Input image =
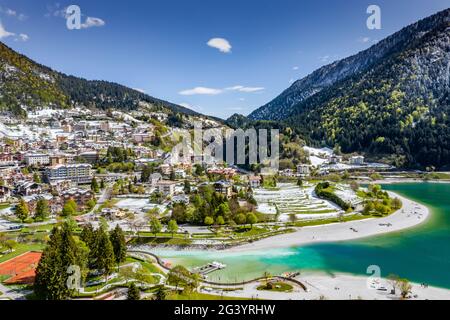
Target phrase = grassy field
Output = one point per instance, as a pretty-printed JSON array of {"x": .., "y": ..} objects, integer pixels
[
  {"x": 199, "y": 296},
  {"x": 4, "y": 206},
  {"x": 21, "y": 248},
  {"x": 162, "y": 241},
  {"x": 276, "y": 286},
  {"x": 327, "y": 221}
]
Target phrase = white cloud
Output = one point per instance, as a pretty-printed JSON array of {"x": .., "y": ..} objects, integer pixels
[
  {"x": 55, "y": 10},
  {"x": 13, "y": 13},
  {"x": 364, "y": 39},
  {"x": 292, "y": 80},
  {"x": 241, "y": 99},
  {"x": 214, "y": 91},
  {"x": 245, "y": 89},
  {"x": 325, "y": 58},
  {"x": 22, "y": 37},
  {"x": 295, "y": 68},
  {"x": 4, "y": 33},
  {"x": 92, "y": 22},
  {"x": 219, "y": 43},
  {"x": 201, "y": 91}
]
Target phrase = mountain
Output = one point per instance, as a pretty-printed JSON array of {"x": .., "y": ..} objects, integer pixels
[
  {"x": 25, "y": 83},
  {"x": 390, "y": 101},
  {"x": 284, "y": 105}
]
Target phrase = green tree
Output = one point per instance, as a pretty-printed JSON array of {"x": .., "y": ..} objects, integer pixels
[
  {"x": 172, "y": 227},
  {"x": 405, "y": 288},
  {"x": 209, "y": 221},
  {"x": 161, "y": 293},
  {"x": 22, "y": 211},
  {"x": 396, "y": 204},
  {"x": 94, "y": 185},
  {"x": 88, "y": 235},
  {"x": 251, "y": 219},
  {"x": 52, "y": 272},
  {"x": 155, "y": 225},
  {"x": 91, "y": 204},
  {"x": 119, "y": 244},
  {"x": 220, "y": 221},
  {"x": 42, "y": 210},
  {"x": 105, "y": 259},
  {"x": 36, "y": 177},
  {"x": 69, "y": 208},
  {"x": 241, "y": 218},
  {"x": 133, "y": 292},
  {"x": 10, "y": 244},
  {"x": 187, "y": 186}
]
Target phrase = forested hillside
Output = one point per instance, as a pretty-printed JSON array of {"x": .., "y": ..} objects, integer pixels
[
  {"x": 399, "y": 108},
  {"x": 25, "y": 84}
]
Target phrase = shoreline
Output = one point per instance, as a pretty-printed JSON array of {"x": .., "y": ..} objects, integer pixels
[
  {"x": 340, "y": 286},
  {"x": 411, "y": 214}
]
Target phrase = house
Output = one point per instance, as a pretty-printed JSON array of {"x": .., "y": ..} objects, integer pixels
[
  {"x": 182, "y": 198},
  {"x": 180, "y": 174},
  {"x": 223, "y": 187},
  {"x": 357, "y": 160},
  {"x": 166, "y": 187},
  {"x": 28, "y": 188},
  {"x": 32, "y": 200},
  {"x": 6, "y": 158},
  {"x": 80, "y": 173},
  {"x": 80, "y": 196},
  {"x": 287, "y": 172},
  {"x": 227, "y": 172},
  {"x": 5, "y": 193},
  {"x": 303, "y": 169},
  {"x": 142, "y": 137},
  {"x": 89, "y": 156},
  {"x": 254, "y": 181},
  {"x": 165, "y": 169},
  {"x": 35, "y": 159},
  {"x": 334, "y": 159}
]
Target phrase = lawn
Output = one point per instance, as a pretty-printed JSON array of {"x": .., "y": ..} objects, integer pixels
[
  {"x": 276, "y": 286},
  {"x": 330, "y": 220},
  {"x": 199, "y": 296},
  {"x": 162, "y": 235},
  {"x": 4, "y": 206},
  {"x": 248, "y": 231},
  {"x": 160, "y": 241},
  {"x": 148, "y": 266},
  {"x": 22, "y": 248}
]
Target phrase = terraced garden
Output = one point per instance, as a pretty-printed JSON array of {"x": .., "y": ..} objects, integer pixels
[{"x": 291, "y": 199}]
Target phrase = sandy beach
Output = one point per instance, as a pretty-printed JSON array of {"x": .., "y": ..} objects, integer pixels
[
  {"x": 340, "y": 287},
  {"x": 411, "y": 215}
]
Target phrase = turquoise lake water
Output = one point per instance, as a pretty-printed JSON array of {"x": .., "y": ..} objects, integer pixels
[{"x": 421, "y": 254}]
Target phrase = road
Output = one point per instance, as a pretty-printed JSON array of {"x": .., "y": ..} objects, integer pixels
[{"x": 10, "y": 294}]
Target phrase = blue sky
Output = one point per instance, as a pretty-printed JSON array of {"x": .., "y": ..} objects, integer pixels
[{"x": 161, "y": 46}]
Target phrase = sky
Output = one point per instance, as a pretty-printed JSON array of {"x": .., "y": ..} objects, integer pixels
[{"x": 215, "y": 57}]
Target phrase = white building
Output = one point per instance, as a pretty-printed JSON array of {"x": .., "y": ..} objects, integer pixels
[
  {"x": 79, "y": 173},
  {"x": 35, "y": 159},
  {"x": 357, "y": 160},
  {"x": 166, "y": 187},
  {"x": 335, "y": 159},
  {"x": 303, "y": 169},
  {"x": 180, "y": 174}
]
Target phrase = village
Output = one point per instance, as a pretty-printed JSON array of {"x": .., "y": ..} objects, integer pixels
[{"x": 116, "y": 170}]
